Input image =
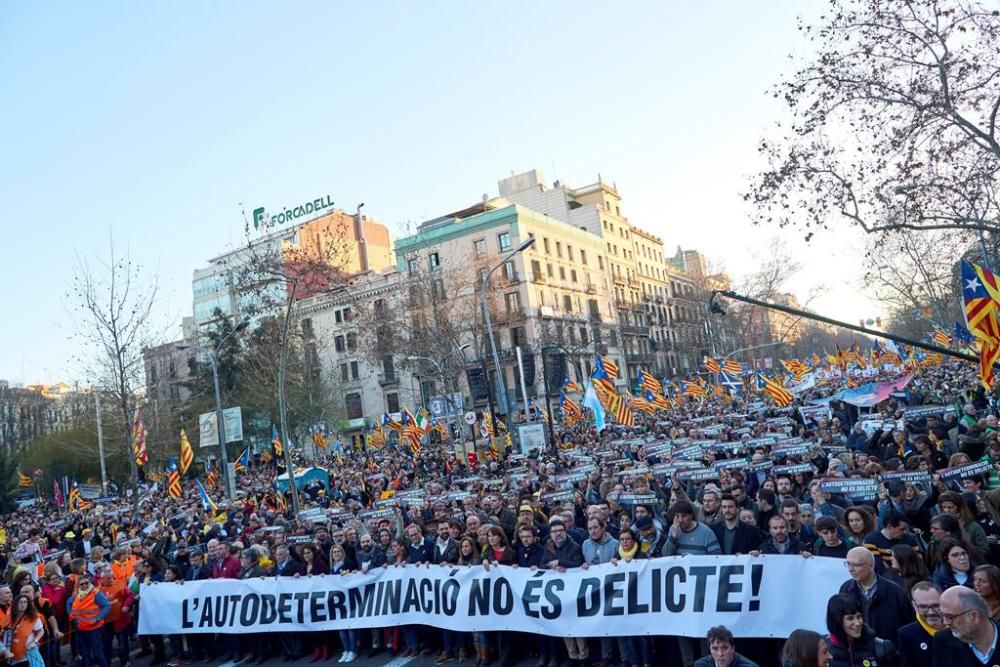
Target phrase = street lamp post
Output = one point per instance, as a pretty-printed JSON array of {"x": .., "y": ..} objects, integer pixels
[
  {"x": 213, "y": 358},
  {"x": 444, "y": 381},
  {"x": 486, "y": 314}
]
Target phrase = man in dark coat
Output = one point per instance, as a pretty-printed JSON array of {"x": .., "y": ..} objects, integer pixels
[
  {"x": 916, "y": 640},
  {"x": 445, "y": 548},
  {"x": 971, "y": 639},
  {"x": 735, "y": 537},
  {"x": 562, "y": 553},
  {"x": 884, "y": 603}
]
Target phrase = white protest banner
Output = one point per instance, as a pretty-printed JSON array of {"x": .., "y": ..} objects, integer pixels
[{"x": 753, "y": 597}]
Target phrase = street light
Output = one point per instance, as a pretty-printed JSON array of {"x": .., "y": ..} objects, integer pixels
[
  {"x": 489, "y": 323},
  {"x": 213, "y": 357},
  {"x": 444, "y": 382}
]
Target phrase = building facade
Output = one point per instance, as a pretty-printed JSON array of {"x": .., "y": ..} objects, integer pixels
[
  {"x": 555, "y": 299},
  {"x": 32, "y": 412},
  {"x": 314, "y": 254},
  {"x": 658, "y": 305}
]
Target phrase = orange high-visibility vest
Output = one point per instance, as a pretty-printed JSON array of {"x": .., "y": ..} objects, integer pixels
[
  {"x": 115, "y": 593},
  {"x": 123, "y": 571},
  {"x": 19, "y": 639},
  {"x": 86, "y": 612}
]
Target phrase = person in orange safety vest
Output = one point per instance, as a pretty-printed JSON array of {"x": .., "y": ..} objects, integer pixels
[{"x": 87, "y": 609}]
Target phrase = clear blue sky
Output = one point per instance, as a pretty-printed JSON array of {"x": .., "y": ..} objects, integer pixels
[{"x": 153, "y": 120}]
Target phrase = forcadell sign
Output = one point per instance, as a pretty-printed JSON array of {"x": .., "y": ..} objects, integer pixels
[{"x": 262, "y": 218}]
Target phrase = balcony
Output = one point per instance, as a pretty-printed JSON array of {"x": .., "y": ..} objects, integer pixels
[
  {"x": 633, "y": 330},
  {"x": 634, "y": 282},
  {"x": 595, "y": 317},
  {"x": 510, "y": 316},
  {"x": 386, "y": 379},
  {"x": 507, "y": 281},
  {"x": 538, "y": 278},
  {"x": 591, "y": 288}
]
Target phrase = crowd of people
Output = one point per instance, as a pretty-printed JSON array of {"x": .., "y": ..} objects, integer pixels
[{"x": 920, "y": 544}]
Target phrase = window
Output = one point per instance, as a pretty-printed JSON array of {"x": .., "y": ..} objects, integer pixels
[
  {"x": 175, "y": 393},
  {"x": 572, "y": 275},
  {"x": 548, "y": 270},
  {"x": 518, "y": 337},
  {"x": 600, "y": 262},
  {"x": 412, "y": 266},
  {"x": 434, "y": 260},
  {"x": 545, "y": 242},
  {"x": 307, "y": 328},
  {"x": 352, "y": 402},
  {"x": 583, "y": 256},
  {"x": 536, "y": 270},
  {"x": 480, "y": 247},
  {"x": 567, "y": 303},
  {"x": 558, "y": 249},
  {"x": 152, "y": 373},
  {"x": 354, "y": 370},
  {"x": 337, "y": 317},
  {"x": 392, "y": 402},
  {"x": 584, "y": 338},
  {"x": 388, "y": 369},
  {"x": 569, "y": 252},
  {"x": 562, "y": 273},
  {"x": 510, "y": 271},
  {"x": 352, "y": 342},
  {"x": 380, "y": 311},
  {"x": 618, "y": 211},
  {"x": 343, "y": 372},
  {"x": 338, "y": 344},
  {"x": 513, "y": 301},
  {"x": 437, "y": 289},
  {"x": 347, "y": 314},
  {"x": 503, "y": 241}
]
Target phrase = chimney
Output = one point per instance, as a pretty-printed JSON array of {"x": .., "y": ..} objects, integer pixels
[{"x": 359, "y": 233}]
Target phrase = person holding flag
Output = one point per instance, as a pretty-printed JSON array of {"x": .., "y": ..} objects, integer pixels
[
  {"x": 187, "y": 454},
  {"x": 243, "y": 462},
  {"x": 276, "y": 442},
  {"x": 174, "y": 480}
]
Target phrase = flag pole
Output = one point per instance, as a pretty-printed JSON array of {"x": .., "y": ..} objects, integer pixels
[{"x": 820, "y": 318}]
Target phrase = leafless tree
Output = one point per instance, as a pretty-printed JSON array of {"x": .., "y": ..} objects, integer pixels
[
  {"x": 112, "y": 303},
  {"x": 776, "y": 269},
  {"x": 917, "y": 272},
  {"x": 894, "y": 121}
]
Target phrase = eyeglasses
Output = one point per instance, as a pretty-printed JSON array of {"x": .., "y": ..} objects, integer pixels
[
  {"x": 949, "y": 618},
  {"x": 927, "y": 608},
  {"x": 854, "y": 566}
]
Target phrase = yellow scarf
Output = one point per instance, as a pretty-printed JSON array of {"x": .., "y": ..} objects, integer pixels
[
  {"x": 630, "y": 554},
  {"x": 928, "y": 629}
]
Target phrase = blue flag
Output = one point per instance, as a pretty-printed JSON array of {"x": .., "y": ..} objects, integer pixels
[{"x": 591, "y": 401}]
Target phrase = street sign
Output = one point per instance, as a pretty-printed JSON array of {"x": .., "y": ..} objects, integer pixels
[
  {"x": 470, "y": 417},
  {"x": 445, "y": 406},
  {"x": 531, "y": 436},
  {"x": 233, "y": 420}
]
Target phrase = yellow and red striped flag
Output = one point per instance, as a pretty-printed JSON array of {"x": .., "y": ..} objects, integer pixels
[{"x": 187, "y": 454}]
